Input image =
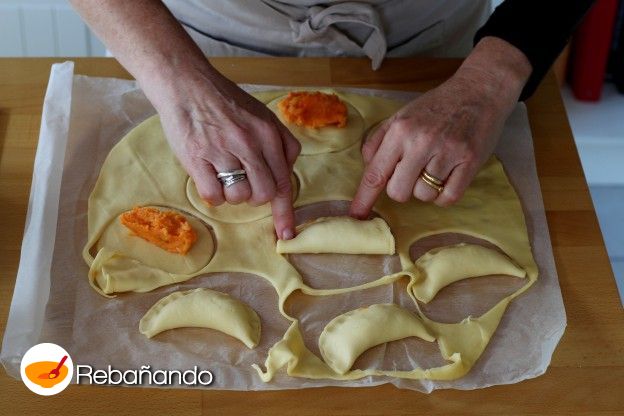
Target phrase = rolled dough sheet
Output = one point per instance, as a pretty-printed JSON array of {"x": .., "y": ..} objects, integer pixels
[{"x": 489, "y": 210}]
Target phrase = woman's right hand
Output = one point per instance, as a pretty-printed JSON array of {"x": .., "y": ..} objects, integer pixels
[
  {"x": 210, "y": 123},
  {"x": 214, "y": 126}
]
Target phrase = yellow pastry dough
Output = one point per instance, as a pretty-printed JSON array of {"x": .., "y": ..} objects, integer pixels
[
  {"x": 326, "y": 139},
  {"x": 445, "y": 265},
  {"x": 112, "y": 272},
  {"x": 490, "y": 210},
  {"x": 203, "y": 308},
  {"x": 340, "y": 235},
  {"x": 347, "y": 336}
]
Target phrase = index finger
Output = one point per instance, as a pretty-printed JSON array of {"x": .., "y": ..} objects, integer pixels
[
  {"x": 283, "y": 215},
  {"x": 374, "y": 180},
  {"x": 291, "y": 145},
  {"x": 282, "y": 204}
]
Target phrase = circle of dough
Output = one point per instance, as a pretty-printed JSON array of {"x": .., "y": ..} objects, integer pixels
[
  {"x": 119, "y": 238},
  {"x": 326, "y": 139},
  {"x": 233, "y": 213}
]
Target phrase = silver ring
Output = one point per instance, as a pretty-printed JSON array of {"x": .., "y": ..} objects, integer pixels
[
  {"x": 236, "y": 172},
  {"x": 231, "y": 177},
  {"x": 231, "y": 180}
]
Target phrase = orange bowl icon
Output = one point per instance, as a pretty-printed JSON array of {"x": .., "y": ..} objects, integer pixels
[
  {"x": 43, "y": 374},
  {"x": 46, "y": 369}
]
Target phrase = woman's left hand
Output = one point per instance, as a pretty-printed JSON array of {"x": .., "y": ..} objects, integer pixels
[{"x": 448, "y": 132}]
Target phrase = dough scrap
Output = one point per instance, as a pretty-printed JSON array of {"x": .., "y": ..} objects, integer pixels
[
  {"x": 343, "y": 235},
  {"x": 445, "y": 265},
  {"x": 327, "y": 139},
  {"x": 203, "y": 308},
  {"x": 347, "y": 336}
]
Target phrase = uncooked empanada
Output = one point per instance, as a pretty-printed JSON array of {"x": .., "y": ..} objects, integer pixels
[
  {"x": 343, "y": 235},
  {"x": 445, "y": 265},
  {"x": 203, "y": 308},
  {"x": 347, "y": 336}
]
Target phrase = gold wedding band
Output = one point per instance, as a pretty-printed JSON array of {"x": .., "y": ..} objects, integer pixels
[
  {"x": 432, "y": 178},
  {"x": 432, "y": 181}
]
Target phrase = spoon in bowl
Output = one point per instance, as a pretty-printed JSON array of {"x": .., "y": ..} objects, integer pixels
[{"x": 56, "y": 372}]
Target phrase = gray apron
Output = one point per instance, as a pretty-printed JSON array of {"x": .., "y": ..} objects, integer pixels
[{"x": 370, "y": 28}]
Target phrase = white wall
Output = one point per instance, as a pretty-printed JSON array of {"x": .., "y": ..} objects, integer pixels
[
  {"x": 599, "y": 135},
  {"x": 44, "y": 28}
]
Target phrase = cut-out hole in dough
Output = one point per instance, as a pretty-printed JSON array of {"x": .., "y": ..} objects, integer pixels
[
  {"x": 118, "y": 238},
  {"x": 347, "y": 336},
  {"x": 330, "y": 271},
  {"x": 262, "y": 299},
  {"x": 315, "y": 312},
  {"x": 240, "y": 213},
  {"x": 470, "y": 297},
  {"x": 326, "y": 139},
  {"x": 203, "y": 308},
  {"x": 445, "y": 265},
  {"x": 401, "y": 355},
  {"x": 179, "y": 348},
  {"x": 449, "y": 257}
]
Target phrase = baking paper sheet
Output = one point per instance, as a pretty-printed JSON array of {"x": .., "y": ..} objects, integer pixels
[{"x": 83, "y": 117}]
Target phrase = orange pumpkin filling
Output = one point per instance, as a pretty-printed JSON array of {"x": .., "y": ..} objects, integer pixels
[
  {"x": 313, "y": 109},
  {"x": 166, "y": 229}
]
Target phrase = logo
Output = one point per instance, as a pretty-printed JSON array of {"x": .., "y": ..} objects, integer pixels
[{"x": 46, "y": 369}]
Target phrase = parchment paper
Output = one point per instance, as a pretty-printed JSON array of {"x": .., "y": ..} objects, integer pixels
[{"x": 83, "y": 117}]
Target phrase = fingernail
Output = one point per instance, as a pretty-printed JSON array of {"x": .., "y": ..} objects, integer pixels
[
  {"x": 287, "y": 234},
  {"x": 360, "y": 217}
]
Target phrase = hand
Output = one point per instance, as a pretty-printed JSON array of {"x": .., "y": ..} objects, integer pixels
[
  {"x": 214, "y": 127},
  {"x": 449, "y": 132},
  {"x": 210, "y": 123}
]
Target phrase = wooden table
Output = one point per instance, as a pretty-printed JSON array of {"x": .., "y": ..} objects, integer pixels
[{"x": 587, "y": 371}]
